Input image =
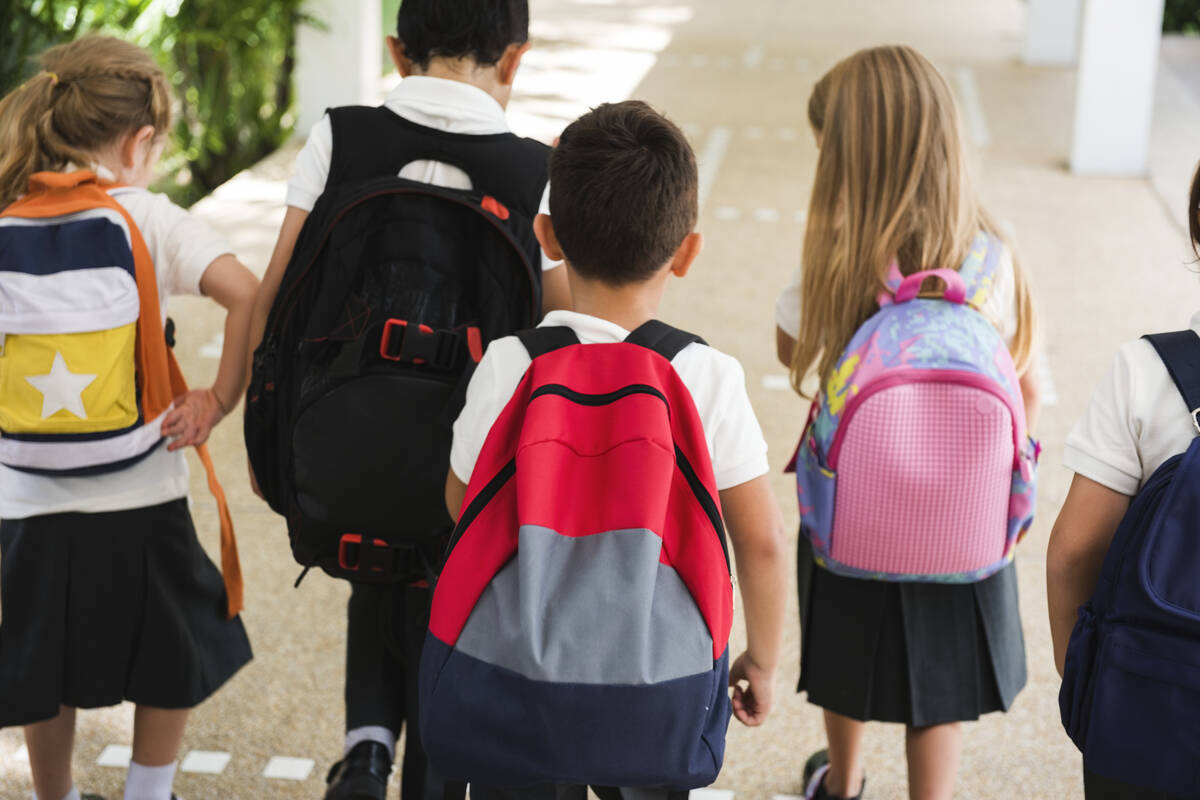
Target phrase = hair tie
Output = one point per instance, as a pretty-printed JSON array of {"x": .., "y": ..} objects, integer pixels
[{"x": 53, "y": 78}]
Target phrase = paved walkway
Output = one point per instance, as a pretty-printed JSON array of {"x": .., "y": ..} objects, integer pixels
[{"x": 1108, "y": 257}]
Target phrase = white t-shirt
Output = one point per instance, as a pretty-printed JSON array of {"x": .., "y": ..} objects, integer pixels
[
  {"x": 437, "y": 103},
  {"x": 182, "y": 248},
  {"x": 1135, "y": 421},
  {"x": 1000, "y": 307},
  {"x": 715, "y": 380}
]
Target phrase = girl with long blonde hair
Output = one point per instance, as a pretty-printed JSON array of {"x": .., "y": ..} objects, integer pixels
[
  {"x": 893, "y": 191},
  {"x": 107, "y": 593}
]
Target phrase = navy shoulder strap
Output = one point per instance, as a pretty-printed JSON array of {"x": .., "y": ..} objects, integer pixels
[
  {"x": 539, "y": 341},
  {"x": 662, "y": 338},
  {"x": 1180, "y": 352}
]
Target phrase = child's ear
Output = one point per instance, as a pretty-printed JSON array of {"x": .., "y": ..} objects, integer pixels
[
  {"x": 688, "y": 250},
  {"x": 403, "y": 63},
  {"x": 506, "y": 67},
  {"x": 136, "y": 145},
  {"x": 543, "y": 229}
]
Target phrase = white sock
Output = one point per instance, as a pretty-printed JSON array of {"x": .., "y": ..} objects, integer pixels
[
  {"x": 370, "y": 733},
  {"x": 149, "y": 783},
  {"x": 71, "y": 795}
]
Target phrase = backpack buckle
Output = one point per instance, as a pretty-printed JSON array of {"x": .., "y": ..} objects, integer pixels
[
  {"x": 420, "y": 344},
  {"x": 354, "y": 554},
  {"x": 1195, "y": 415}
]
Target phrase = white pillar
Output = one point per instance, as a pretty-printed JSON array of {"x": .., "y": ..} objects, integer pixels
[
  {"x": 339, "y": 63},
  {"x": 1114, "y": 98},
  {"x": 1052, "y": 32}
]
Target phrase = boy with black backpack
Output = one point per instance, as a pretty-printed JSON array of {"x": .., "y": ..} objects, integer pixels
[
  {"x": 406, "y": 247},
  {"x": 580, "y": 628}
]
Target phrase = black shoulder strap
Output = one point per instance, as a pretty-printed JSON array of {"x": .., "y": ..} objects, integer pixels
[
  {"x": 1180, "y": 352},
  {"x": 539, "y": 341},
  {"x": 662, "y": 338}
]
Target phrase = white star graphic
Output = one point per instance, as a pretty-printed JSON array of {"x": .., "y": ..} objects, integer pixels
[{"x": 61, "y": 389}]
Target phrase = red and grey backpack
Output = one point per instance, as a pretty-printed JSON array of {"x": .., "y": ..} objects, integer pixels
[{"x": 580, "y": 628}]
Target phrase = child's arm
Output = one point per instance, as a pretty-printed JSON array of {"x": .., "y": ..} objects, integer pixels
[
  {"x": 1031, "y": 391},
  {"x": 456, "y": 492},
  {"x": 232, "y": 286},
  {"x": 289, "y": 231},
  {"x": 785, "y": 345},
  {"x": 755, "y": 529},
  {"x": 1080, "y": 539}
]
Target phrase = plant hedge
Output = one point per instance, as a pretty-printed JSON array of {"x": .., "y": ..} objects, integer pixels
[
  {"x": 230, "y": 64},
  {"x": 1182, "y": 16}
]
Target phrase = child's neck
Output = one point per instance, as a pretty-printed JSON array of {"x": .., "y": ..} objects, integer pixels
[
  {"x": 628, "y": 306},
  {"x": 468, "y": 71}
]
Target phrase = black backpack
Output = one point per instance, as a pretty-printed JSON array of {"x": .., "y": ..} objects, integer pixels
[{"x": 393, "y": 291}]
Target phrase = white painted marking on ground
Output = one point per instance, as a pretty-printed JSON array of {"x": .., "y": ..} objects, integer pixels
[
  {"x": 753, "y": 57},
  {"x": 1046, "y": 379},
  {"x": 766, "y": 215},
  {"x": 691, "y": 129},
  {"x": 22, "y": 754},
  {"x": 800, "y": 216},
  {"x": 698, "y": 61},
  {"x": 777, "y": 383},
  {"x": 788, "y": 134},
  {"x": 670, "y": 60},
  {"x": 116, "y": 755},
  {"x": 728, "y": 213},
  {"x": 786, "y": 797},
  {"x": 968, "y": 91},
  {"x": 724, "y": 62},
  {"x": 710, "y": 159},
  {"x": 801, "y": 64},
  {"x": 214, "y": 347},
  {"x": 712, "y": 794},
  {"x": 288, "y": 768},
  {"x": 776, "y": 64},
  {"x": 208, "y": 762},
  {"x": 754, "y": 132}
]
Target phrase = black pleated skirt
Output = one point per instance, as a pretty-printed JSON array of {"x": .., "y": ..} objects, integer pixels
[
  {"x": 916, "y": 653},
  {"x": 106, "y": 607}
]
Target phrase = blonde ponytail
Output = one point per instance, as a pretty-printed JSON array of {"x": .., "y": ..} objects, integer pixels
[{"x": 93, "y": 91}]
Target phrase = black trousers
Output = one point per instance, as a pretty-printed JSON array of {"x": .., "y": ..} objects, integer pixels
[
  {"x": 386, "y": 630},
  {"x": 570, "y": 791},
  {"x": 1097, "y": 787}
]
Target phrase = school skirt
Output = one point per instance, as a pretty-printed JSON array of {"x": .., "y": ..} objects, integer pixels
[
  {"x": 106, "y": 607},
  {"x": 916, "y": 653}
]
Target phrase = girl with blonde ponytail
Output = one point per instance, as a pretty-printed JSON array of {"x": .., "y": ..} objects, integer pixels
[
  {"x": 893, "y": 191},
  {"x": 107, "y": 594}
]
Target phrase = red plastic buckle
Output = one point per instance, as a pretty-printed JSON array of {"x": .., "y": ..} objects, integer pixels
[
  {"x": 354, "y": 541},
  {"x": 386, "y": 339},
  {"x": 493, "y": 205}
]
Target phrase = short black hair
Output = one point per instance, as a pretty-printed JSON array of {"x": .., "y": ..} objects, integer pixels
[
  {"x": 623, "y": 192},
  {"x": 478, "y": 29}
]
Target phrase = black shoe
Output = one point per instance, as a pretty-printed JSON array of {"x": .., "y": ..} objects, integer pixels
[
  {"x": 96, "y": 797},
  {"x": 814, "y": 779},
  {"x": 361, "y": 775}
]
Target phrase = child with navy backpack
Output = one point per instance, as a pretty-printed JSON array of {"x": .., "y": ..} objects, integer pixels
[
  {"x": 107, "y": 593},
  {"x": 1121, "y": 571},
  {"x": 915, "y": 471},
  {"x": 580, "y": 629}
]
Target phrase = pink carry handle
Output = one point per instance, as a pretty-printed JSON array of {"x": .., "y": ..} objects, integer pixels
[{"x": 956, "y": 290}]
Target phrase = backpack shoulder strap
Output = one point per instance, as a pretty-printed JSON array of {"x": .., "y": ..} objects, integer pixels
[
  {"x": 1180, "y": 353},
  {"x": 662, "y": 338},
  {"x": 539, "y": 341}
]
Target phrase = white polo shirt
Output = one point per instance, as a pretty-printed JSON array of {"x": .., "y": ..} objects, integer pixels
[
  {"x": 182, "y": 247},
  {"x": 1135, "y": 421},
  {"x": 437, "y": 103},
  {"x": 716, "y": 382}
]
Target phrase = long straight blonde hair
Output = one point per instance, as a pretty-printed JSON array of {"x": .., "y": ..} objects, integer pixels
[
  {"x": 892, "y": 183},
  {"x": 92, "y": 92}
]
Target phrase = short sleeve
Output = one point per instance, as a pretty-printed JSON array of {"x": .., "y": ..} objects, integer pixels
[
  {"x": 496, "y": 377},
  {"x": 787, "y": 306},
  {"x": 1000, "y": 307},
  {"x": 1103, "y": 445},
  {"x": 181, "y": 244},
  {"x": 312, "y": 167},
  {"x": 544, "y": 208}
]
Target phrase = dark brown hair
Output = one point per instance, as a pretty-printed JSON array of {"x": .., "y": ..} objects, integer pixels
[
  {"x": 1194, "y": 213},
  {"x": 623, "y": 192},
  {"x": 93, "y": 91}
]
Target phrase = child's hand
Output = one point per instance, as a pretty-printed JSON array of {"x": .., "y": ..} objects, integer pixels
[
  {"x": 193, "y": 417},
  {"x": 752, "y": 703}
]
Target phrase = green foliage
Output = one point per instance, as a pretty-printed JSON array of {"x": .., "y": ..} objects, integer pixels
[
  {"x": 1182, "y": 16},
  {"x": 229, "y": 62}
]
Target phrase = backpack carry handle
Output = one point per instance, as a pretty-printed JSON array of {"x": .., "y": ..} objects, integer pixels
[{"x": 956, "y": 289}]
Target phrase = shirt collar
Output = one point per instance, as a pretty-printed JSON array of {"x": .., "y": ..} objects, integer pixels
[
  {"x": 589, "y": 329},
  {"x": 447, "y": 105}
]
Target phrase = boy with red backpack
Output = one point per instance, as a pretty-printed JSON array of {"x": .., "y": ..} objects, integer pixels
[{"x": 580, "y": 628}]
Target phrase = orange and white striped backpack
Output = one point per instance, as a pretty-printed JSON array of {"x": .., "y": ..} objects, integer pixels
[{"x": 86, "y": 376}]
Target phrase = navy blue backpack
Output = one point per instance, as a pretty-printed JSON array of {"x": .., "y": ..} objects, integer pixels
[{"x": 1130, "y": 695}]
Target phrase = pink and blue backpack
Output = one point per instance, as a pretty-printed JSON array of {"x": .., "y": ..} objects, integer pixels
[{"x": 915, "y": 464}]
